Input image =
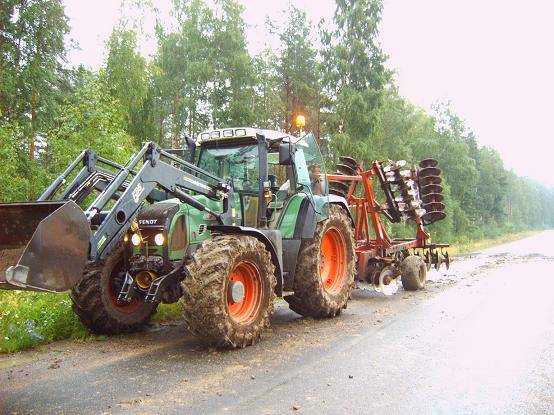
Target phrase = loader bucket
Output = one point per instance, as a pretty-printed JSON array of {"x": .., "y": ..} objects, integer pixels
[{"x": 43, "y": 245}]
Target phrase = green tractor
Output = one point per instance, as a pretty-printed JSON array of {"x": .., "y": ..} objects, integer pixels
[{"x": 240, "y": 217}]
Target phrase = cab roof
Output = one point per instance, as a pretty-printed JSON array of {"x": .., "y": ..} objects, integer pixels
[{"x": 224, "y": 134}]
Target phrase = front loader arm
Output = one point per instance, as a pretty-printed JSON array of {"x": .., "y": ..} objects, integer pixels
[
  {"x": 154, "y": 173},
  {"x": 50, "y": 254}
]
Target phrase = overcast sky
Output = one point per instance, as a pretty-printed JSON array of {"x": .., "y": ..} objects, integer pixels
[{"x": 493, "y": 59}]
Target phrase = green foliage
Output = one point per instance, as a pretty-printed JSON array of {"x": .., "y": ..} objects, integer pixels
[
  {"x": 13, "y": 183},
  {"x": 297, "y": 71},
  {"x": 126, "y": 75},
  {"x": 31, "y": 49},
  {"x": 354, "y": 72},
  {"x": 181, "y": 71},
  {"x": 28, "y": 319},
  {"x": 92, "y": 119},
  {"x": 270, "y": 108},
  {"x": 233, "y": 73}
]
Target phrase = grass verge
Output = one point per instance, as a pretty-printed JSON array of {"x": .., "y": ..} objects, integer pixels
[
  {"x": 28, "y": 319},
  {"x": 474, "y": 246}
]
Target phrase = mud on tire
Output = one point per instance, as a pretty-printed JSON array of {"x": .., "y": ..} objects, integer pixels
[
  {"x": 414, "y": 273},
  {"x": 95, "y": 298},
  {"x": 313, "y": 296},
  {"x": 208, "y": 309}
]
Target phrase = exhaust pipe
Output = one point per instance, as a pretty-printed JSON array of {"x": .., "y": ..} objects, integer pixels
[{"x": 43, "y": 245}]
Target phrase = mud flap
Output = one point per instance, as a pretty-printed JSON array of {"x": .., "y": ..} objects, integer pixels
[{"x": 43, "y": 245}]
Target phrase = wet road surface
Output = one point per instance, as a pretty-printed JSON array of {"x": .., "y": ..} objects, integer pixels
[{"x": 479, "y": 339}]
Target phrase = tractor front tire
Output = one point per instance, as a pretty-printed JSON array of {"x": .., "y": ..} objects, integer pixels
[
  {"x": 228, "y": 297},
  {"x": 95, "y": 298},
  {"x": 324, "y": 277},
  {"x": 414, "y": 273}
]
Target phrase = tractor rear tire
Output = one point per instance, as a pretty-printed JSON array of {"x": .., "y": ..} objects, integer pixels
[
  {"x": 95, "y": 298},
  {"x": 324, "y": 277},
  {"x": 414, "y": 273},
  {"x": 209, "y": 309}
]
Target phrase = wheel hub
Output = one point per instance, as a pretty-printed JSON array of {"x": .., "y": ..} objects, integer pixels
[
  {"x": 333, "y": 261},
  {"x": 236, "y": 291}
]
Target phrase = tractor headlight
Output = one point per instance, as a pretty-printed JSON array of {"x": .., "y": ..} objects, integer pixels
[
  {"x": 159, "y": 239},
  {"x": 135, "y": 239}
]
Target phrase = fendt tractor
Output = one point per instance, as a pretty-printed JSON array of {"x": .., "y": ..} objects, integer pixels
[{"x": 236, "y": 218}]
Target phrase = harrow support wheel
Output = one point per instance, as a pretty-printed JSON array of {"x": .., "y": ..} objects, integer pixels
[
  {"x": 324, "y": 275},
  {"x": 229, "y": 296},
  {"x": 414, "y": 273},
  {"x": 95, "y": 298}
]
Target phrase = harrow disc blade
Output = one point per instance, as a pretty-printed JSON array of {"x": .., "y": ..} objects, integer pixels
[
  {"x": 346, "y": 170},
  {"x": 336, "y": 192},
  {"x": 432, "y": 217},
  {"x": 430, "y": 188},
  {"x": 428, "y": 163},
  {"x": 429, "y": 171},
  {"x": 427, "y": 260},
  {"x": 434, "y": 207},
  {"x": 339, "y": 186},
  {"x": 432, "y": 197},
  {"x": 424, "y": 181},
  {"x": 349, "y": 161},
  {"x": 446, "y": 260},
  {"x": 386, "y": 284},
  {"x": 411, "y": 214}
]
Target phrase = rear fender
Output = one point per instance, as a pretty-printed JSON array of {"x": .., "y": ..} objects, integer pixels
[{"x": 341, "y": 201}]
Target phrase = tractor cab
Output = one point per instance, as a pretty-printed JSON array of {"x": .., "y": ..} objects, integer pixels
[{"x": 267, "y": 168}]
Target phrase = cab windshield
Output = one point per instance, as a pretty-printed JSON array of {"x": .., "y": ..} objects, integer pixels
[{"x": 237, "y": 162}]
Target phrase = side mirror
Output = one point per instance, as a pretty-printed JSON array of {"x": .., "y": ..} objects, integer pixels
[
  {"x": 191, "y": 154},
  {"x": 286, "y": 153}
]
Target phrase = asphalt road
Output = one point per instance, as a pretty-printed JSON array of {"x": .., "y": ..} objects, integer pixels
[{"x": 479, "y": 339}]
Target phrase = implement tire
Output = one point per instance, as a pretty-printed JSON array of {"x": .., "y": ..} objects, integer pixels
[
  {"x": 324, "y": 277},
  {"x": 95, "y": 298},
  {"x": 229, "y": 295},
  {"x": 414, "y": 273}
]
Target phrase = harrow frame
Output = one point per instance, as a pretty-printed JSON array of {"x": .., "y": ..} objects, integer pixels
[{"x": 378, "y": 245}]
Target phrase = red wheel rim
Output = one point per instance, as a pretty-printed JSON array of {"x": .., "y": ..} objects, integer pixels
[
  {"x": 122, "y": 306},
  {"x": 245, "y": 310},
  {"x": 333, "y": 261}
]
